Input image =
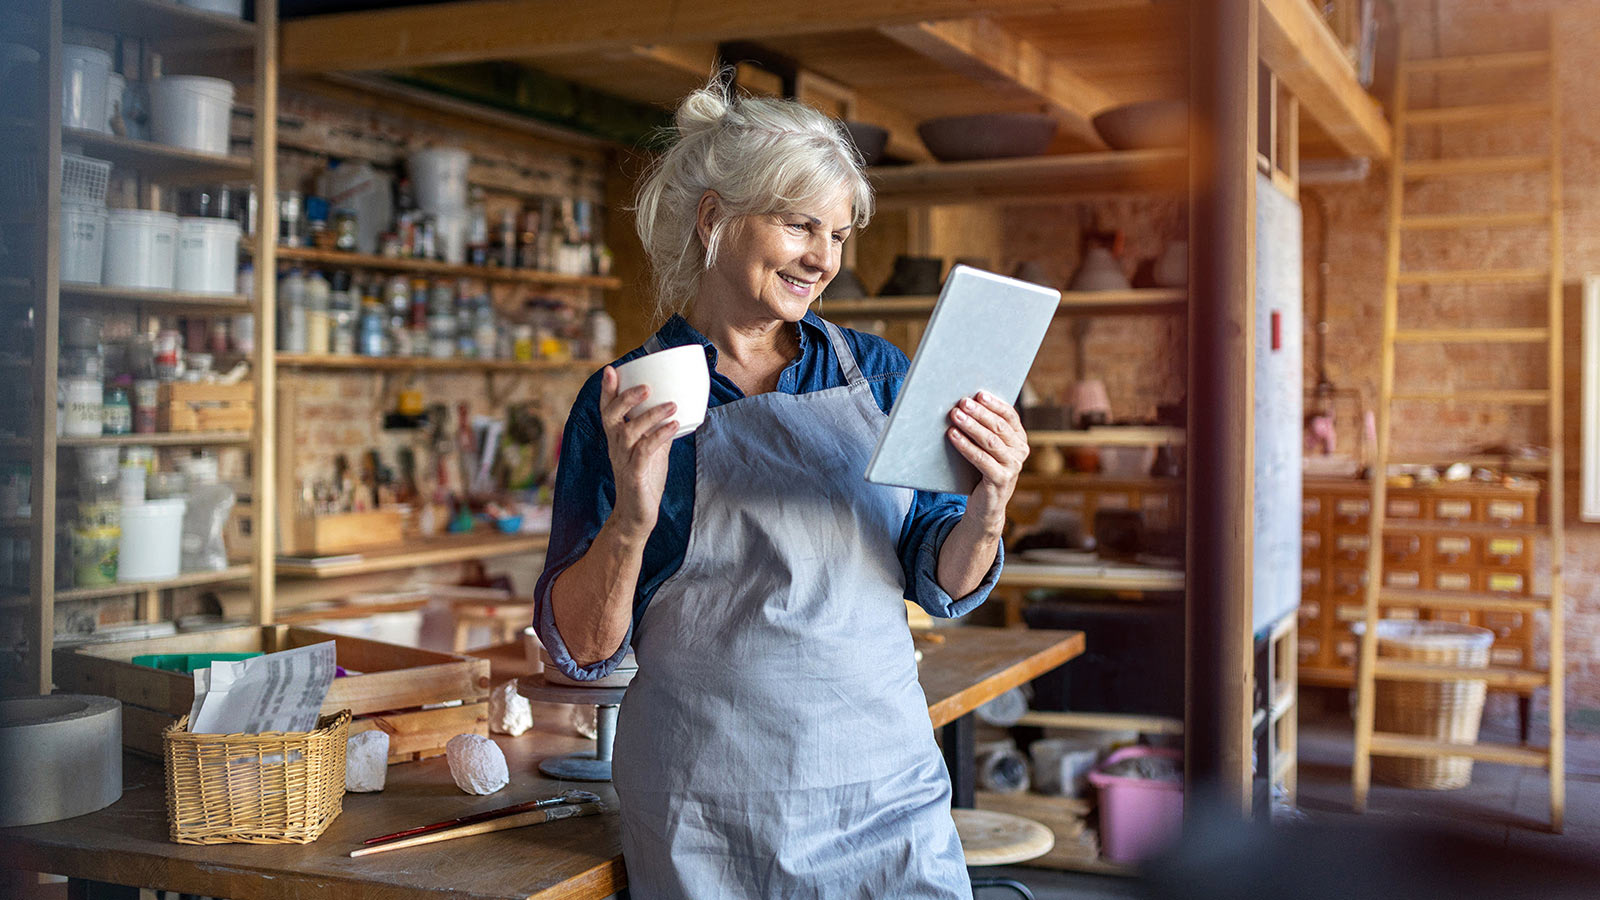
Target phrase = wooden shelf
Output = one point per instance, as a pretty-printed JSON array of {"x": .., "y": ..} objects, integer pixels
[
  {"x": 439, "y": 550},
  {"x": 1089, "y": 576},
  {"x": 424, "y": 364},
  {"x": 192, "y": 579},
  {"x": 1131, "y": 302},
  {"x": 161, "y": 162},
  {"x": 1109, "y": 436},
  {"x": 162, "y": 439},
  {"x": 1035, "y": 178},
  {"x": 445, "y": 270},
  {"x": 112, "y": 298},
  {"x": 1103, "y": 721},
  {"x": 161, "y": 21},
  {"x": 1092, "y": 481}
]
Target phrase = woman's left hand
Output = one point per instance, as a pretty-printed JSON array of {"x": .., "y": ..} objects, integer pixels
[{"x": 988, "y": 432}]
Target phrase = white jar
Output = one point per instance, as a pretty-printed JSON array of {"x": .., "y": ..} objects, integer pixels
[
  {"x": 208, "y": 255},
  {"x": 83, "y": 406},
  {"x": 85, "y": 73}
]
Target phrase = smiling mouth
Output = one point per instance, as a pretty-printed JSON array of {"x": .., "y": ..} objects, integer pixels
[{"x": 797, "y": 282}]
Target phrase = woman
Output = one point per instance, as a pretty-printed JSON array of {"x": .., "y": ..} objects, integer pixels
[{"x": 775, "y": 741}]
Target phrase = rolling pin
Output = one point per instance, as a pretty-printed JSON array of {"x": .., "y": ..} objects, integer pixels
[{"x": 517, "y": 821}]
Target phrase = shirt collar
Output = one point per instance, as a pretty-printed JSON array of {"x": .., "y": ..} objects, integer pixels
[{"x": 677, "y": 331}]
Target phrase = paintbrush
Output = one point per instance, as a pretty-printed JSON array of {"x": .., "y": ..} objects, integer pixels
[
  {"x": 532, "y": 817},
  {"x": 566, "y": 797}
]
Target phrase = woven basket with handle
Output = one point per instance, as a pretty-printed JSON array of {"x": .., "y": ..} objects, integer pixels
[{"x": 273, "y": 788}]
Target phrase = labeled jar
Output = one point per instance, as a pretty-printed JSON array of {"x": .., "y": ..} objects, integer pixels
[
  {"x": 82, "y": 406},
  {"x": 116, "y": 412},
  {"x": 146, "y": 397}
]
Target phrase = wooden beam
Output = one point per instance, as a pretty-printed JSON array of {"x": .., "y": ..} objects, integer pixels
[
  {"x": 480, "y": 30},
  {"x": 1301, "y": 51},
  {"x": 264, "y": 464},
  {"x": 1219, "y": 689},
  {"x": 992, "y": 55}
]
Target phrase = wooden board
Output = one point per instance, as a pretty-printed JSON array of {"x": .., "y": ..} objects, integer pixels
[{"x": 972, "y": 666}]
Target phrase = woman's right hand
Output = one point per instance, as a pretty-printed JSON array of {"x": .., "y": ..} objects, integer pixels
[{"x": 638, "y": 447}]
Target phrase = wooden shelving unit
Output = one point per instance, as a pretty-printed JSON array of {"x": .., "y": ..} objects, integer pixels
[
  {"x": 118, "y": 299},
  {"x": 161, "y": 162},
  {"x": 426, "y": 364},
  {"x": 188, "y": 579},
  {"x": 437, "y": 550},
  {"x": 162, "y": 22},
  {"x": 183, "y": 38},
  {"x": 337, "y": 259},
  {"x": 1073, "y": 303},
  {"x": 1043, "y": 179},
  {"x": 161, "y": 439},
  {"x": 1109, "y": 436}
]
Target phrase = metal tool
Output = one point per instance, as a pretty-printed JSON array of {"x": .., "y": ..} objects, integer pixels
[{"x": 563, "y": 798}]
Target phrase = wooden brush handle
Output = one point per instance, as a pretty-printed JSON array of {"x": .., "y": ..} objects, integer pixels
[{"x": 517, "y": 821}]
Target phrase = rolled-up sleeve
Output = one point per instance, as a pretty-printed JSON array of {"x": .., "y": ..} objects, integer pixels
[
  {"x": 584, "y": 495},
  {"x": 930, "y": 521}
]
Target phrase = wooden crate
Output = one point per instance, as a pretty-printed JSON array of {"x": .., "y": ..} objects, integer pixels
[
  {"x": 195, "y": 406},
  {"x": 343, "y": 532},
  {"x": 399, "y": 689}
]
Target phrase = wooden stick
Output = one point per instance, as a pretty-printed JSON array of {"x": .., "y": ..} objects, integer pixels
[{"x": 516, "y": 821}]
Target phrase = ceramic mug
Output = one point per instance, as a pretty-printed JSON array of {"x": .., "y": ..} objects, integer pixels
[{"x": 678, "y": 375}]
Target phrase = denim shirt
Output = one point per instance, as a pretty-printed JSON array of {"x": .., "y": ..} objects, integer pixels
[{"x": 585, "y": 491}]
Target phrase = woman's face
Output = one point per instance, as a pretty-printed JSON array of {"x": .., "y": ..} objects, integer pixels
[{"x": 776, "y": 265}]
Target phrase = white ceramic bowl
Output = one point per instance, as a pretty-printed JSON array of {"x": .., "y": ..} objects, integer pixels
[{"x": 679, "y": 375}]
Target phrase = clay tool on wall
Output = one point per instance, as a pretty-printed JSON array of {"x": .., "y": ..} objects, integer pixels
[
  {"x": 563, "y": 798},
  {"x": 532, "y": 817}
]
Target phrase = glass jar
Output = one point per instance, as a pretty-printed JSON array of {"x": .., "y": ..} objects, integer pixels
[{"x": 116, "y": 411}]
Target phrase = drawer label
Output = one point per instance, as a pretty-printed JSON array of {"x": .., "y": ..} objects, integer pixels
[
  {"x": 1453, "y": 509},
  {"x": 1453, "y": 581},
  {"x": 1505, "y": 581},
  {"x": 1506, "y": 509},
  {"x": 1405, "y": 509}
]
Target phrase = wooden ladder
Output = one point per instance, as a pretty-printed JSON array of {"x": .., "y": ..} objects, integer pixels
[{"x": 1370, "y": 668}]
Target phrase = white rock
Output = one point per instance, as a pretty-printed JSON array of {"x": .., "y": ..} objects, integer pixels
[
  {"x": 366, "y": 761},
  {"x": 476, "y": 764},
  {"x": 509, "y": 712}
]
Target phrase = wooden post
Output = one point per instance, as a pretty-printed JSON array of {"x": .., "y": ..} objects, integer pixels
[
  {"x": 1222, "y": 172},
  {"x": 44, "y": 294},
  {"x": 265, "y": 141}
]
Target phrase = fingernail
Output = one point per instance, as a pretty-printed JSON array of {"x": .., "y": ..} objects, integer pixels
[{"x": 984, "y": 396}]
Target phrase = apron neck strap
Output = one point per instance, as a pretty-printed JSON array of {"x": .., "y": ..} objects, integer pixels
[
  {"x": 654, "y": 345},
  {"x": 841, "y": 349}
]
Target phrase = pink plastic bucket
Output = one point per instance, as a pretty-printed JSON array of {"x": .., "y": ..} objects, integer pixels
[{"x": 1138, "y": 817}]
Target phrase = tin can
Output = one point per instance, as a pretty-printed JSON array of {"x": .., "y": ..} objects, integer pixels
[{"x": 169, "y": 355}]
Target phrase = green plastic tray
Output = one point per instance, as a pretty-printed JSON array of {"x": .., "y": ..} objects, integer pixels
[{"x": 187, "y": 662}]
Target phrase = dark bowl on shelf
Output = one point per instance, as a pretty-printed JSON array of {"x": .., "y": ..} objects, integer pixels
[
  {"x": 987, "y": 136},
  {"x": 845, "y": 286},
  {"x": 1150, "y": 125},
  {"x": 870, "y": 140}
]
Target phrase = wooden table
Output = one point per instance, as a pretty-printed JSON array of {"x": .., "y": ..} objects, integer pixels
[{"x": 126, "y": 843}]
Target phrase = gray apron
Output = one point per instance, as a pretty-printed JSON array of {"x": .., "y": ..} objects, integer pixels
[{"x": 775, "y": 742}]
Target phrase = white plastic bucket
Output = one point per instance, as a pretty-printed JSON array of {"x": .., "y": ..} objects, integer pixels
[
  {"x": 191, "y": 111},
  {"x": 83, "y": 241},
  {"x": 84, "y": 73},
  {"x": 233, "y": 8},
  {"x": 208, "y": 255},
  {"x": 439, "y": 178},
  {"x": 152, "y": 535},
  {"x": 141, "y": 248},
  {"x": 452, "y": 234}
]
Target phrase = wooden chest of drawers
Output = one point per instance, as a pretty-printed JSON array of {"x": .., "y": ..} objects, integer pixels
[{"x": 1464, "y": 538}]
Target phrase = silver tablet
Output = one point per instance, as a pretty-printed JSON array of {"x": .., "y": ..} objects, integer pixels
[{"x": 983, "y": 335}]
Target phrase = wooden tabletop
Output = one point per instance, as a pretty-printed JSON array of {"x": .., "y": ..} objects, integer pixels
[
  {"x": 437, "y": 550},
  {"x": 127, "y": 843}
]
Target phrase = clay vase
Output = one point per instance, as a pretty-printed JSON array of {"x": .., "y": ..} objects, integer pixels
[
  {"x": 1099, "y": 271},
  {"x": 913, "y": 276}
]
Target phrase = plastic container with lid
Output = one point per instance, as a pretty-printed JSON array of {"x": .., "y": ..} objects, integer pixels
[
  {"x": 208, "y": 255},
  {"x": 85, "y": 74},
  {"x": 191, "y": 111},
  {"x": 83, "y": 241},
  {"x": 150, "y": 548},
  {"x": 141, "y": 245}
]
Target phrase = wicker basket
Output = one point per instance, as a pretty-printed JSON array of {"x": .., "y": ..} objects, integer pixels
[
  {"x": 1438, "y": 710},
  {"x": 271, "y": 788}
]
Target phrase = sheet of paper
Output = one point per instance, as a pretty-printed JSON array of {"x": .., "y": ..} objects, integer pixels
[{"x": 277, "y": 692}]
